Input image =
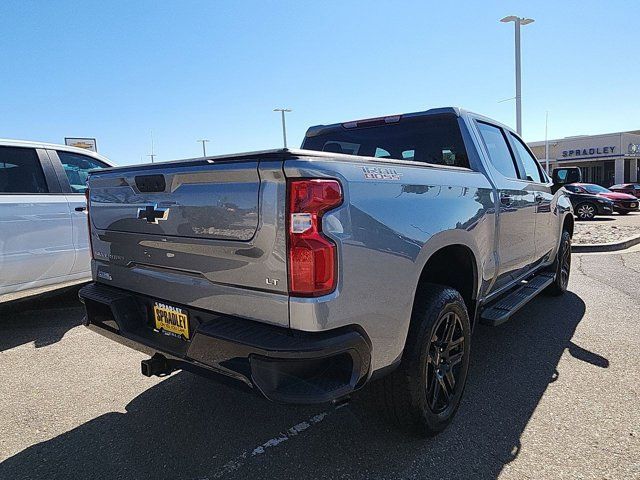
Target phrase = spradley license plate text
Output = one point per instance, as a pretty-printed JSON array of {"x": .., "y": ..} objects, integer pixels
[{"x": 170, "y": 319}]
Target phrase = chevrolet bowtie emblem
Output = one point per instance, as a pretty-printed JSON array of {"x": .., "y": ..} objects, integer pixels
[{"x": 152, "y": 214}]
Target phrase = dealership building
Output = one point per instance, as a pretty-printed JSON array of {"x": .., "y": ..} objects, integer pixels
[{"x": 603, "y": 159}]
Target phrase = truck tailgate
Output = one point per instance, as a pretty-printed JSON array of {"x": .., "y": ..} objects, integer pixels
[
  {"x": 205, "y": 234},
  {"x": 204, "y": 201}
]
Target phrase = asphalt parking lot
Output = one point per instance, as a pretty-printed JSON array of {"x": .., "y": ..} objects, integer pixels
[{"x": 551, "y": 394}]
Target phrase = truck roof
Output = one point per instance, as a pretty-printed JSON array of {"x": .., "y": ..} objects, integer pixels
[
  {"x": 318, "y": 129},
  {"x": 456, "y": 111}
]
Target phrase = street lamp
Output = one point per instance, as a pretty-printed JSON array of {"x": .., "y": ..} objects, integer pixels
[
  {"x": 518, "y": 21},
  {"x": 284, "y": 127},
  {"x": 152, "y": 156},
  {"x": 204, "y": 148}
]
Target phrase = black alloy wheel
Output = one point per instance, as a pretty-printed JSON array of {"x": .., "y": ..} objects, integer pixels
[
  {"x": 424, "y": 392},
  {"x": 561, "y": 267},
  {"x": 444, "y": 361},
  {"x": 565, "y": 262}
]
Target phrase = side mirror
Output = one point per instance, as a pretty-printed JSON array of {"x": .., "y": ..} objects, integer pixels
[{"x": 564, "y": 176}]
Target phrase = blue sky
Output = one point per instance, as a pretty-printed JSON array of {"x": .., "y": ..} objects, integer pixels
[{"x": 185, "y": 70}]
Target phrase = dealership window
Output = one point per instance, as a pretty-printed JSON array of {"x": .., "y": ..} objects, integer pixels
[
  {"x": 498, "y": 149},
  {"x": 596, "y": 174},
  {"x": 20, "y": 171},
  {"x": 77, "y": 167}
]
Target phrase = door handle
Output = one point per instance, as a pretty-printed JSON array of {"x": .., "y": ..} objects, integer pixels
[
  {"x": 80, "y": 209},
  {"x": 506, "y": 199}
]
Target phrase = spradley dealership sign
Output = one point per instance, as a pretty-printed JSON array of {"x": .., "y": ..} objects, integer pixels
[
  {"x": 587, "y": 148},
  {"x": 589, "y": 152},
  {"x": 88, "y": 143}
]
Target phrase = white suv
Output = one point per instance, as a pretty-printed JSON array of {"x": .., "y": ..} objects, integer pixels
[{"x": 43, "y": 219}]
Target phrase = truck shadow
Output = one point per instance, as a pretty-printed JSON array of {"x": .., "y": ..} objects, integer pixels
[
  {"x": 43, "y": 320},
  {"x": 188, "y": 427}
]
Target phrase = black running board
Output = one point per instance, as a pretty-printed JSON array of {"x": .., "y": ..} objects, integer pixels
[{"x": 502, "y": 309}]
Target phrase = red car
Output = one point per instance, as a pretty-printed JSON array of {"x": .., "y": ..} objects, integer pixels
[
  {"x": 629, "y": 188},
  {"x": 623, "y": 203}
]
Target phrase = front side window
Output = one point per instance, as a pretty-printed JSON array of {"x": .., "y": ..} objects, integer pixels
[
  {"x": 20, "y": 171},
  {"x": 531, "y": 169},
  {"x": 499, "y": 152},
  {"x": 77, "y": 167}
]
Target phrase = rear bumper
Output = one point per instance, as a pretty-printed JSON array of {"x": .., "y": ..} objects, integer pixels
[{"x": 284, "y": 365}]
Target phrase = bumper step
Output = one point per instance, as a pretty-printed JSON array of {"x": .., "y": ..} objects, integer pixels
[{"x": 501, "y": 310}]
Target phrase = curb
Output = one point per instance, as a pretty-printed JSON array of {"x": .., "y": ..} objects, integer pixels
[{"x": 606, "y": 247}]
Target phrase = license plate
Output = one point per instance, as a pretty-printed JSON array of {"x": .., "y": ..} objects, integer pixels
[{"x": 171, "y": 320}]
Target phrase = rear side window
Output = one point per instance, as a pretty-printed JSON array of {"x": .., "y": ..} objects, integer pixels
[
  {"x": 77, "y": 167},
  {"x": 498, "y": 149},
  {"x": 435, "y": 139},
  {"x": 20, "y": 171},
  {"x": 531, "y": 169}
]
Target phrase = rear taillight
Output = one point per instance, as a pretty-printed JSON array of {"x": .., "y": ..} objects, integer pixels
[
  {"x": 313, "y": 262},
  {"x": 87, "y": 197}
]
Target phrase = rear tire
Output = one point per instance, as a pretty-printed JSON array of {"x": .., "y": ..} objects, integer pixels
[
  {"x": 561, "y": 266},
  {"x": 586, "y": 211},
  {"x": 424, "y": 393}
]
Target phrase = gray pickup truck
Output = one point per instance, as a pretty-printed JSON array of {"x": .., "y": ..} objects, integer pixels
[{"x": 302, "y": 275}]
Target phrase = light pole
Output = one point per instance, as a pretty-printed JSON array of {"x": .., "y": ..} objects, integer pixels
[
  {"x": 546, "y": 142},
  {"x": 518, "y": 21},
  {"x": 152, "y": 156},
  {"x": 204, "y": 141},
  {"x": 284, "y": 126}
]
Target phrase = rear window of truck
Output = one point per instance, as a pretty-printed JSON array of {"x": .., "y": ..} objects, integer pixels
[{"x": 436, "y": 140}]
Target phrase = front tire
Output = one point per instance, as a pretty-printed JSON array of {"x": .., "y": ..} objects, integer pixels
[
  {"x": 586, "y": 211},
  {"x": 561, "y": 266},
  {"x": 424, "y": 393},
  {"x": 623, "y": 212}
]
